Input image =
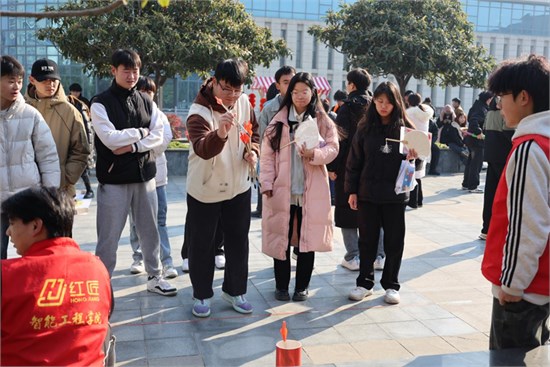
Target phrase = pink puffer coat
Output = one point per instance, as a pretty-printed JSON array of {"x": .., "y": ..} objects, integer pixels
[{"x": 275, "y": 167}]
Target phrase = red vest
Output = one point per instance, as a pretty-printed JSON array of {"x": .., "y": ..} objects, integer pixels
[
  {"x": 55, "y": 306},
  {"x": 491, "y": 266}
]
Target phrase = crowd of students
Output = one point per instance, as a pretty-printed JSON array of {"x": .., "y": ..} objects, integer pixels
[{"x": 294, "y": 150}]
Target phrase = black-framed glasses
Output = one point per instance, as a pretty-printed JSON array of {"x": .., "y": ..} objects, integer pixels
[
  {"x": 499, "y": 96},
  {"x": 230, "y": 91}
]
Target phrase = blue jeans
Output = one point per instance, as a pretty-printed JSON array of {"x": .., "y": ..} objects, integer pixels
[
  {"x": 462, "y": 152},
  {"x": 165, "y": 256},
  {"x": 351, "y": 239}
]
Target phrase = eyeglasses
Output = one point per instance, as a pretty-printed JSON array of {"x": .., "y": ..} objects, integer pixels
[
  {"x": 230, "y": 91},
  {"x": 498, "y": 97},
  {"x": 303, "y": 93}
]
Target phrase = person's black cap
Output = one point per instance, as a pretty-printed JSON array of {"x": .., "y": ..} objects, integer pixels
[
  {"x": 75, "y": 87},
  {"x": 45, "y": 69}
]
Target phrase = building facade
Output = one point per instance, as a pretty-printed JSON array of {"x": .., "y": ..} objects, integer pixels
[{"x": 506, "y": 28}]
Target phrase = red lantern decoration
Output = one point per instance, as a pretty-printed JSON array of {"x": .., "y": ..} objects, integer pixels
[
  {"x": 262, "y": 102},
  {"x": 252, "y": 99}
]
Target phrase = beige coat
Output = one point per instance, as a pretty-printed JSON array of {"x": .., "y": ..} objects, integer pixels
[
  {"x": 275, "y": 168},
  {"x": 68, "y": 131}
]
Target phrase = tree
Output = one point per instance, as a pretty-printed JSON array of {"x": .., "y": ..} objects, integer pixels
[
  {"x": 424, "y": 39},
  {"x": 187, "y": 37},
  {"x": 68, "y": 13}
]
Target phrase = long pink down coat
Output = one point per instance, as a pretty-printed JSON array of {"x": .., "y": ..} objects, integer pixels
[{"x": 316, "y": 230}]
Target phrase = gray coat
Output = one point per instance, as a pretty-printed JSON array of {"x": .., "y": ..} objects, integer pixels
[{"x": 28, "y": 155}]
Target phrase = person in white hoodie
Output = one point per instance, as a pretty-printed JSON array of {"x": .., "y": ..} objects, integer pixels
[
  {"x": 147, "y": 85},
  {"x": 28, "y": 157},
  {"x": 420, "y": 114},
  {"x": 517, "y": 258}
]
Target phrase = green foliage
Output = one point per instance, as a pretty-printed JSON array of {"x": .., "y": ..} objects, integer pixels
[
  {"x": 424, "y": 39},
  {"x": 175, "y": 144},
  {"x": 187, "y": 37}
]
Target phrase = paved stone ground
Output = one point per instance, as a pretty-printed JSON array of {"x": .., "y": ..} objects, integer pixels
[{"x": 443, "y": 318}]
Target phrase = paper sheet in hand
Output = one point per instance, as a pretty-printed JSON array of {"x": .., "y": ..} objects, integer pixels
[{"x": 308, "y": 133}]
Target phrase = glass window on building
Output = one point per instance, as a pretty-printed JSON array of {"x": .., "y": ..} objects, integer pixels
[
  {"x": 282, "y": 61},
  {"x": 315, "y": 53},
  {"x": 272, "y": 9},
  {"x": 299, "y": 8},
  {"x": 435, "y": 99},
  {"x": 299, "y": 46},
  {"x": 330, "y": 60}
]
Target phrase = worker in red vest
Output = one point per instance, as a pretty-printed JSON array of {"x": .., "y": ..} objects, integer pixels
[{"x": 56, "y": 299}]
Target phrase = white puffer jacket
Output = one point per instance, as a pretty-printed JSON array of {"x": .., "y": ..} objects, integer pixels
[
  {"x": 161, "y": 179},
  {"x": 28, "y": 155}
]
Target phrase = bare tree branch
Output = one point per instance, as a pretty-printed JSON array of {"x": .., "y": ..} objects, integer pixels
[{"x": 65, "y": 13}]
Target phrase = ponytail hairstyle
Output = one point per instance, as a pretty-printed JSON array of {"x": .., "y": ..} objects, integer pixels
[
  {"x": 398, "y": 118},
  {"x": 314, "y": 108},
  {"x": 414, "y": 100}
]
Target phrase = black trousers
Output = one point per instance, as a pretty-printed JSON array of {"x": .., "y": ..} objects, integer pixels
[
  {"x": 494, "y": 170},
  {"x": 259, "y": 205},
  {"x": 518, "y": 325},
  {"x": 304, "y": 263},
  {"x": 435, "y": 158},
  {"x": 416, "y": 197},
  {"x": 202, "y": 222},
  {"x": 218, "y": 240},
  {"x": 391, "y": 218},
  {"x": 473, "y": 168}
]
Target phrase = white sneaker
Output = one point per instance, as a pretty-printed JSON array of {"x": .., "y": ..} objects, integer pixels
[
  {"x": 185, "y": 266},
  {"x": 169, "y": 272},
  {"x": 157, "y": 284},
  {"x": 358, "y": 293},
  {"x": 220, "y": 261},
  {"x": 379, "y": 263},
  {"x": 352, "y": 265},
  {"x": 482, "y": 236},
  {"x": 392, "y": 296},
  {"x": 137, "y": 267}
]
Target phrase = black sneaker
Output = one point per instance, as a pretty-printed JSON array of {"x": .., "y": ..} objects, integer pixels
[
  {"x": 89, "y": 194},
  {"x": 282, "y": 295},
  {"x": 300, "y": 296},
  {"x": 256, "y": 214}
]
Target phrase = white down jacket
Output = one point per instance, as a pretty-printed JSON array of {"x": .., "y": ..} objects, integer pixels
[{"x": 28, "y": 155}]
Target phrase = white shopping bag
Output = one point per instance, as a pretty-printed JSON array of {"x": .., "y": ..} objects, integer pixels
[{"x": 405, "y": 179}]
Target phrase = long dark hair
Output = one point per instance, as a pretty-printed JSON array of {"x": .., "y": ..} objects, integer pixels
[
  {"x": 398, "y": 118},
  {"x": 314, "y": 108}
]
